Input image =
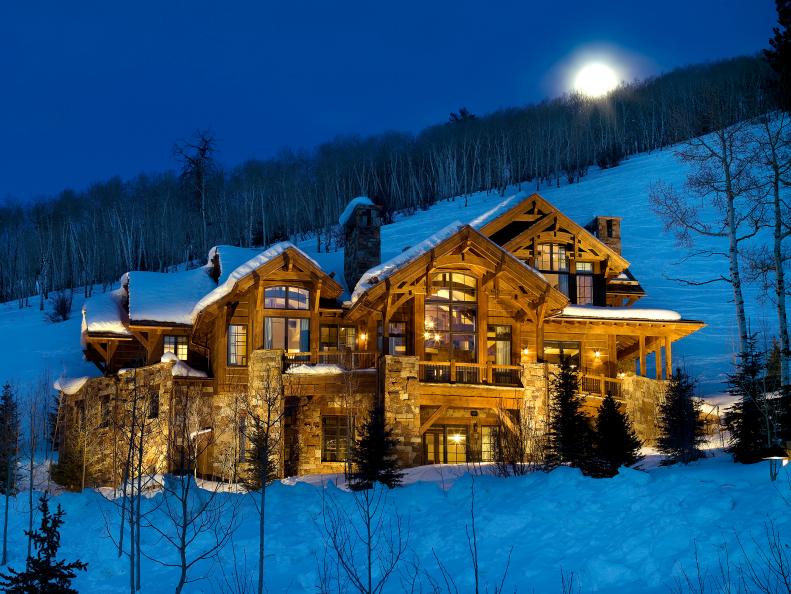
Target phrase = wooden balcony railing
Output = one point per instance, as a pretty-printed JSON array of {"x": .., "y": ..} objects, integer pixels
[
  {"x": 600, "y": 385},
  {"x": 345, "y": 359},
  {"x": 452, "y": 372}
]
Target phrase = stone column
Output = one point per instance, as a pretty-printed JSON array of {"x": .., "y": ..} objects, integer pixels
[{"x": 402, "y": 407}]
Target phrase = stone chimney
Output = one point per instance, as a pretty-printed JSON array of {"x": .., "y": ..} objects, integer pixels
[
  {"x": 608, "y": 231},
  {"x": 361, "y": 225}
]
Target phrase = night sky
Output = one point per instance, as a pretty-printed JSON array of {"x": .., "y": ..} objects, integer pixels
[{"x": 92, "y": 90}]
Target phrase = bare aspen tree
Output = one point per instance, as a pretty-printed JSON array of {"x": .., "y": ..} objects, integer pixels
[
  {"x": 197, "y": 522},
  {"x": 722, "y": 181},
  {"x": 365, "y": 535},
  {"x": 773, "y": 138}
]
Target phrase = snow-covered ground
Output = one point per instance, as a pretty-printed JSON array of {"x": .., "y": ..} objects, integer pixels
[{"x": 636, "y": 532}]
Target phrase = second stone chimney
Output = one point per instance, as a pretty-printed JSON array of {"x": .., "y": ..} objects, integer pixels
[
  {"x": 607, "y": 230},
  {"x": 361, "y": 224}
]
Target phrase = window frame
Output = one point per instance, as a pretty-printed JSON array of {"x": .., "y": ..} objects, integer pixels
[
  {"x": 341, "y": 424},
  {"x": 236, "y": 360},
  {"x": 304, "y": 325},
  {"x": 179, "y": 341},
  {"x": 584, "y": 276},
  {"x": 444, "y": 338},
  {"x": 287, "y": 300}
]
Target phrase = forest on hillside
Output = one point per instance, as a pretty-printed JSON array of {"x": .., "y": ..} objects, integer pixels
[{"x": 154, "y": 221}]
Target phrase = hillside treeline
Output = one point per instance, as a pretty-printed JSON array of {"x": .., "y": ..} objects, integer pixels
[{"x": 151, "y": 222}]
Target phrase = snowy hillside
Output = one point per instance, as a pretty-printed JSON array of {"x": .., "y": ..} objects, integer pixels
[
  {"x": 636, "y": 532},
  {"x": 622, "y": 191}
]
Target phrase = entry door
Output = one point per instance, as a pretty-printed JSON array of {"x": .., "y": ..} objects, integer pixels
[{"x": 434, "y": 446}]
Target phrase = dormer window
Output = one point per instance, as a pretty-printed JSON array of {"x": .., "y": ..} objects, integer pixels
[{"x": 282, "y": 297}]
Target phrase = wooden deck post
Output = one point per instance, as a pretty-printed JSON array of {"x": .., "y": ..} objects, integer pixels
[
  {"x": 483, "y": 325},
  {"x": 658, "y": 358},
  {"x": 612, "y": 354},
  {"x": 419, "y": 325},
  {"x": 642, "y": 356},
  {"x": 668, "y": 357}
]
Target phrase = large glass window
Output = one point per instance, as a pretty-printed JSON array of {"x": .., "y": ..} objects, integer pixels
[
  {"x": 237, "y": 344},
  {"x": 498, "y": 345},
  {"x": 553, "y": 261},
  {"x": 584, "y": 283},
  {"x": 291, "y": 334},
  {"x": 488, "y": 443},
  {"x": 396, "y": 338},
  {"x": 445, "y": 445},
  {"x": 336, "y": 434},
  {"x": 450, "y": 320},
  {"x": 176, "y": 345},
  {"x": 333, "y": 337},
  {"x": 282, "y": 297},
  {"x": 554, "y": 350}
]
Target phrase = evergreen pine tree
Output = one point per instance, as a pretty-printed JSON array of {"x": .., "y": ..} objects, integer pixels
[
  {"x": 681, "y": 429},
  {"x": 616, "y": 442},
  {"x": 570, "y": 437},
  {"x": 9, "y": 451},
  {"x": 259, "y": 465},
  {"x": 43, "y": 573},
  {"x": 754, "y": 419},
  {"x": 373, "y": 456}
]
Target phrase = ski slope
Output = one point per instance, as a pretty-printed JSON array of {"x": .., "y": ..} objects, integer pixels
[{"x": 622, "y": 191}]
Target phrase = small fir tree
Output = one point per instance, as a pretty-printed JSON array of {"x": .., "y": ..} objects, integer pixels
[
  {"x": 754, "y": 420},
  {"x": 570, "y": 438},
  {"x": 373, "y": 456},
  {"x": 616, "y": 442},
  {"x": 260, "y": 465},
  {"x": 43, "y": 572},
  {"x": 9, "y": 453},
  {"x": 681, "y": 428}
]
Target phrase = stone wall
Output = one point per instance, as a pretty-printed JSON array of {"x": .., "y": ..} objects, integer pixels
[
  {"x": 402, "y": 407},
  {"x": 642, "y": 397}
]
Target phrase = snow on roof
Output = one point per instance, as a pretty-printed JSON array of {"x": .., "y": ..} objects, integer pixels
[
  {"x": 354, "y": 203},
  {"x": 378, "y": 273},
  {"x": 70, "y": 385},
  {"x": 178, "y": 297},
  {"x": 620, "y": 313},
  {"x": 497, "y": 210},
  {"x": 104, "y": 313}
]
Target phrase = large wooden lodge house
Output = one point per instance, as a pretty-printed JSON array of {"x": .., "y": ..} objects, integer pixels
[{"x": 457, "y": 334}]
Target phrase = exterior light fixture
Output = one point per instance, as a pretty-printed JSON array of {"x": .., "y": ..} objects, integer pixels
[
  {"x": 597, "y": 354},
  {"x": 363, "y": 336},
  {"x": 525, "y": 351}
]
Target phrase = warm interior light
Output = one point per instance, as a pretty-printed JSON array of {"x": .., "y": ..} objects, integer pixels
[
  {"x": 525, "y": 351},
  {"x": 436, "y": 337},
  {"x": 363, "y": 336},
  {"x": 597, "y": 354},
  {"x": 456, "y": 438},
  {"x": 427, "y": 335}
]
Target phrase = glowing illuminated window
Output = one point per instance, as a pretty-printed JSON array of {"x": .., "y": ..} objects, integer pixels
[
  {"x": 176, "y": 345},
  {"x": 450, "y": 318},
  {"x": 584, "y": 283},
  {"x": 337, "y": 432}
]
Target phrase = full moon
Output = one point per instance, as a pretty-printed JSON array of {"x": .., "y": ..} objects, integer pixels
[{"x": 595, "y": 79}]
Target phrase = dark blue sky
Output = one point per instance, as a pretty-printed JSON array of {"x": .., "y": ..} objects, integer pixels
[{"x": 90, "y": 89}]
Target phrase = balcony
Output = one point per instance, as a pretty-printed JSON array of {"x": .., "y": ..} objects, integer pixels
[
  {"x": 343, "y": 359},
  {"x": 601, "y": 385},
  {"x": 452, "y": 372}
]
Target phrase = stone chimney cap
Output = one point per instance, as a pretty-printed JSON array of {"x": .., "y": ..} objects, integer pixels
[{"x": 347, "y": 213}]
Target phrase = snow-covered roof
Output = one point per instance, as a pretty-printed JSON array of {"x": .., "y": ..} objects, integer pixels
[
  {"x": 177, "y": 297},
  {"x": 620, "y": 313},
  {"x": 497, "y": 210},
  {"x": 70, "y": 385},
  {"x": 379, "y": 273},
  {"x": 349, "y": 210},
  {"x": 104, "y": 313}
]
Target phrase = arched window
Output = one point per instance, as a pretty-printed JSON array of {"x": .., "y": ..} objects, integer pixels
[
  {"x": 451, "y": 314},
  {"x": 282, "y": 297}
]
